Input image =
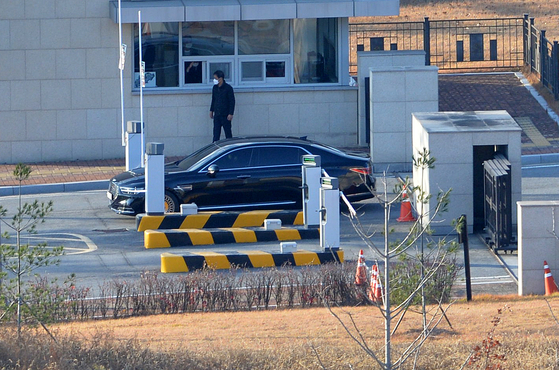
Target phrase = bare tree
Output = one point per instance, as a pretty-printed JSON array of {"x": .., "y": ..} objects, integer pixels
[{"x": 416, "y": 245}]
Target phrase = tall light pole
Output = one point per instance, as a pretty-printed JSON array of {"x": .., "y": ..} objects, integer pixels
[
  {"x": 122, "y": 57},
  {"x": 142, "y": 85}
]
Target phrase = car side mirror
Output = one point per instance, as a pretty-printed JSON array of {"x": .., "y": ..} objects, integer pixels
[{"x": 213, "y": 170}]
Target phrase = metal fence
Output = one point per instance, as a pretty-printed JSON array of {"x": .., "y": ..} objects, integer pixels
[
  {"x": 466, "y": 44},
  {"x": 541, "y": 55}
]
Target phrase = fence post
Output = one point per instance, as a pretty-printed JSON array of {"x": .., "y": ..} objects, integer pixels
[
  {"x": 525, "y": 39},
  {"x": 555, "y": 70},
  {"x": 427, "y": 41},
  {"x": 543, "y": 55},
  {"x": 533, "y": 40}
]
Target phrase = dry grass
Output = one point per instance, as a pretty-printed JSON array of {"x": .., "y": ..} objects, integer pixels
[
  {"x": 528, "y": 332},
  {"x": 545, "y": 12}
]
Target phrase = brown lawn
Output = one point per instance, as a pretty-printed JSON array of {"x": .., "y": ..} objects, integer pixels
[{"x": 526, "y": 322}]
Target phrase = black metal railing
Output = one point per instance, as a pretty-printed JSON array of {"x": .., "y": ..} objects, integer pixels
[
  {"x": 541, "y": 56},
  {"x": 466, "y": 44}
]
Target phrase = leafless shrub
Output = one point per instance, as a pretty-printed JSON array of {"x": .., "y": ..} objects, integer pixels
[
  {"x": 202, "y": 290},
  {"x": 264, "y": 280}
]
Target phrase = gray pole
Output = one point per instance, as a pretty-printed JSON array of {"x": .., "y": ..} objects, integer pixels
[
  {"x": 387, "y": 333},
  {"x": 463, "y": 238}
]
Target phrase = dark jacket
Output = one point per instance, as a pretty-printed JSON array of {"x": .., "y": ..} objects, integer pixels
[{"x": 223, "y": 100}]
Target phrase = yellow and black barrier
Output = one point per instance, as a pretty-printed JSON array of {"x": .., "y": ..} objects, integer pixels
[
  {"x": 191, "y": 237},
  {"x": 208, "y": 220},
  {"x": 248, "y": 259}
]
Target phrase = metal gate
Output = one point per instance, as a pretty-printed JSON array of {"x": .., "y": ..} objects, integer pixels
[{"x": 498, "y": 211}]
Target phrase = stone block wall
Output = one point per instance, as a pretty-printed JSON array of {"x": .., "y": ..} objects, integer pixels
[{"x": 60, "y": 93}]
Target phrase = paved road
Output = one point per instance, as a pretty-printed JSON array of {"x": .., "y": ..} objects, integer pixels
[{"x": 101, "y": 245}]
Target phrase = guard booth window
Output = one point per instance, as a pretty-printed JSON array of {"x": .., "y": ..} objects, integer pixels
[
  {"x": 250, "y": 53},
  {"x": 160, "y": 53}
]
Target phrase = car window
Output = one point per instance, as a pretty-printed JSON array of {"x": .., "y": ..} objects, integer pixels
[
  {"x": 238, "y": 158},
  {"x": 193, "y": 158},
  {"x": 278, "y": 155}
]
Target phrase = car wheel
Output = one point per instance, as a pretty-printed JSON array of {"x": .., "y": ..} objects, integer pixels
[{"x": 171, "y": 203}]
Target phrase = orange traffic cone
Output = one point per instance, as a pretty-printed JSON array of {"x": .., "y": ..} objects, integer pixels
[
  {"x": 361, "y": 273},
  {"x": 375, "y": 294},
  {"x": 405, "y": 209},
  {"x": 550, "y": 286}
]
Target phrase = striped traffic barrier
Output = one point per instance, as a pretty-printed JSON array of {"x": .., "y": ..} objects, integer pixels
[
  {"x": 248, "y": 259},
  {"x": 216, "y": 219},
  {"x": 192, "y": 237}
]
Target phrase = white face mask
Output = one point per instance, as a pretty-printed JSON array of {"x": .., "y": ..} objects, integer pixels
[{"x": 215, "y": 81}]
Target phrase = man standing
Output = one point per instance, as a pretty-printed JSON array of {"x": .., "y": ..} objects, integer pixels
[{"x": 222, "y": 106}]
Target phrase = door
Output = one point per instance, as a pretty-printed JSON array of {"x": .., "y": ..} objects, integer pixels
[{"x": 278, "y": 174}]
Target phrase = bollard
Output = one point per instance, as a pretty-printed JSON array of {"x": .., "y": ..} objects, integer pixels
[
  {"x": 155, "y": 179},
  {"x": 311, "y": 173},
  {"x": 330, "y": 213},
  {"x": 133, "y": 145}
]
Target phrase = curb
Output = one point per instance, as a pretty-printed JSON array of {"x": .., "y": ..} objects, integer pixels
[
  {"x": 250, "y": 259},
  {"x": 534, "y": 159},
  {"x": 206, "y": 220},
  {"x": 192, "y": 237},
  {"x": 62, "y": 187}
]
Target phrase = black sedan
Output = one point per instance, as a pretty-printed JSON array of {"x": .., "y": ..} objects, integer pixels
[{"x": 244, "y": 174}]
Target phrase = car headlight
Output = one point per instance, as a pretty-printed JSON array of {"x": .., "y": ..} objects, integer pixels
[{"x": 132, "y": 191}]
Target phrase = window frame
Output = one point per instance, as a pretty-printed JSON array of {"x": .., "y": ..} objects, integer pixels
[{"x": 235, "y": 61}]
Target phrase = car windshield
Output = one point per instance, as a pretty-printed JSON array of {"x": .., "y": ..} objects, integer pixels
[{"x": 193, "y": 158}]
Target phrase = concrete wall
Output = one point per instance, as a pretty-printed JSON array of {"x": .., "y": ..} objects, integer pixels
[
  {"x": 538, "y": 241},
  {"x": 396, "y": 93},
  {"x": 60, "y": 95},
  {"x": 380, "y": 59}
]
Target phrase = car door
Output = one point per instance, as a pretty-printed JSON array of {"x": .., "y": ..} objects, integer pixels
[
  {"x": 277, "y": 170},
  {"x": 229, "y": 186}
]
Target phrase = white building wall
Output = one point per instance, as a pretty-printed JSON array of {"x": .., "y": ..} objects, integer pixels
[
  {"x": 380, "y": 59},
  {"x": 60, "y": 93},
  {"x": 395, "y": 93},
  {"x": 450, "y": 138},
  {"x": 538, "y": 241}
]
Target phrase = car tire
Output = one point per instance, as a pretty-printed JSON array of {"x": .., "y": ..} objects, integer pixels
[{"x": 171, "y": 202}]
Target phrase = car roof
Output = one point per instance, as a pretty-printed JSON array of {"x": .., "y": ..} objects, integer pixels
[
  {"x": 265, "y": 139},
  {"x": 287, "y": 140}
]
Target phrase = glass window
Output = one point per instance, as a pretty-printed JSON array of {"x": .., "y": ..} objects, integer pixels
[
  {"x": 280, "y": 51},
  {"x": 264, "y": 37},
  {"x": 315, "y": 50},
  {"x": 208, "y": 38},
  {"x": 222, "y": 66},
  {"x": 252, "y": 71},
  {"x": 275, "y": 69},
  {"x": 235, "y": 159},
  {"x": 279, "y": 156},
  {"x": 193, "y": 72},
  {"x": 159, "y": 53}
]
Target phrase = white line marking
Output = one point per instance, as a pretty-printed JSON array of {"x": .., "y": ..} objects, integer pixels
[{"x": 91, "y": 246}]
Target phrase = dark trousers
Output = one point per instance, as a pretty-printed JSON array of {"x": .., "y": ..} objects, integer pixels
[{"x": 219, "y": 122}]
